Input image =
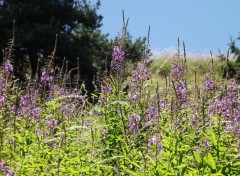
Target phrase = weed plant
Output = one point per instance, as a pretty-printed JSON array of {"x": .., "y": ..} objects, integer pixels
[{"x": 48, "y": 127}]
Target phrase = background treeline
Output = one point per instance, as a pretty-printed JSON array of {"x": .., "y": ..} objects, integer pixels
[{"x": 34, "y": 25}]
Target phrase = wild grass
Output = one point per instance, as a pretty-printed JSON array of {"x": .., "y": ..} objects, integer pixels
[{"x": 161, "y": 67}]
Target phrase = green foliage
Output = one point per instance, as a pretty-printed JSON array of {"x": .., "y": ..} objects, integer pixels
[
  {"x": 97, "y": 139},
  {"x": 37, "y": 23},
  {"x": 79, "y": 38},
  {"x": 231, "y": 68},
  {"x": 134, "y": 128}
]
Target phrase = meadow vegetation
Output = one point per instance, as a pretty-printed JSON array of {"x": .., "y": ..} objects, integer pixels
[{"x": 170, "y": 117}]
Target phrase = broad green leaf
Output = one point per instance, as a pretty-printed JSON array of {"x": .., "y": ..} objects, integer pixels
[
  {"x": 211, "y": 161},
  {"x": 197, "y": 156},
  {"x": 213, "y": 138}
]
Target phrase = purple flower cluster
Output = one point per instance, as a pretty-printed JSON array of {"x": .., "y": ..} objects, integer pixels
[
  {"x": 236, "y": 123},
  {"x": 163, "y": 104},
  {"x": 3, "y": 94},
  {"x": 3, "y": 98},
  {"x": 134, "y": 123},
  {"x": 134, "y": 95},
  {"x": 6, "y": 170},
  {"x": 51, "y": 124},
  {"x": 57, "y": 91},
  {"x": 141, "y": 74},
  {"x": 118, "y": 60},
  {"x": 221, "y": 107},
  {"x": 152, "y": 112},
  {"x": 8, "y": 68},
  {"x": 69, "y": 108},
  {"x": 3, "y": 83},
  {"x": 229, "y": 108},
  {"x": 206, "y": 144},
  {"x": 194, "y": 119},
  {"x": 70, "y": 102},
  {"x": 181, "y": 91},
  {"x": 105, "y": 89},
  {"x": 28, "y": 104},
  {"x": 208, "y": 86},
  {"x": 177, "y": 71},
  {"x": 46, "y": 77},
  {"x": 232, "y": 91},
  {"x": 154, "y": 142}
]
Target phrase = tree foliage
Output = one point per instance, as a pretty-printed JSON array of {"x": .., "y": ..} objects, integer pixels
[
  {"x": 235, "y": 50},
  {"x": 77, "y": 25},
  {"x": 38, "y": 21},
  {"x": 231, "y": 68}
]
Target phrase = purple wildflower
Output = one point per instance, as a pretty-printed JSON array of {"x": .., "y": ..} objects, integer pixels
[
  {"x": 221, "y": 107},
  {"x": 197, "y": 149},
  {"x": 8, "y": 67},
  {"x": 105, "y": 89},
  {"x": 68, "y": 109},
  {"x": 181, "y": 91},
  {"x": 194, "y": 119},
  {"x": 228, "y": 106},
  {"x": 141, "y": 74},
  {"x": 206, "y": 144},
  {"x": 208, "y": 86},
  {"x": 134, "y": 96},
  {"x": 118, "y": 59},
  {"x": 46, "y": 76},
  {"x": 134, "y": 123},
  {"x": 154, "y": 142},
  {"x": 2, "y": 165},
  {"x": 3, "y": 90},
  {"x": 3, "y": 83},
  {"x": 12, "y": 108},
  {"x": 6, "y": 170},
  {"x": 232, "y": 91},
  {"x": 152, "y": 112},
  {"x": 3, "y": 98},
  {"x": 164, "y": 103},
  {"x": 51, "y": 124},
  {"x": 150, "y": 152},
  {"x": 28, "y": 104},
  {"x": 177, "y": 71}
]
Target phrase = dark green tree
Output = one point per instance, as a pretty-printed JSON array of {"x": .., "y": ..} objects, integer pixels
[
  {"x": 231, "y": 68},
  {"x": 38, "y": 21},
  {"x": 235, "y": 50},
  {"x": 79, "y": 40}
]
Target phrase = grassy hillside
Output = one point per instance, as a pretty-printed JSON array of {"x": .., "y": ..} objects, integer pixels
[{"x": 196, "y": 69}]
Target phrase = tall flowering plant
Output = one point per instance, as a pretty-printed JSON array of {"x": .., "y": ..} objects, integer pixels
[{"x": 118, "y": 60}]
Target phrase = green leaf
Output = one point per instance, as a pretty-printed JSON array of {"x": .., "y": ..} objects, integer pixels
[
  {"x": 211, "y": 161},
  {"x": 213, "y": 138},
  {"x": 197, "y": 156},
  {"x": 133, "y": 163}
]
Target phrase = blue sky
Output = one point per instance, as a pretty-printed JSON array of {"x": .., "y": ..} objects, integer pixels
[{"x": 203, "y": 24}]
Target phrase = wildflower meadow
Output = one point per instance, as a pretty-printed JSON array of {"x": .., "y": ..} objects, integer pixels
[{"x": 130, "y": 125}]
